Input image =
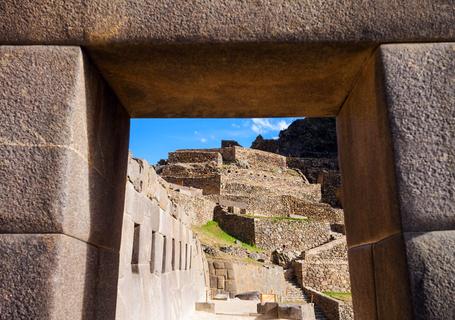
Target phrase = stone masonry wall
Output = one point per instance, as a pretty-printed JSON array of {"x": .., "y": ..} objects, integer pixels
[
  {"x": 161, "y": 273},
  {"x": 325, "y": 268},
  {"x": 195, "y": 156},
  {"x": 236, "y": 277},
  {"x": 272, "y": 233},
  {"x": 331, "y": 187},
  {"x": 210, "y": 184},
  {"x": 333, "y": 309},
  {"x": 238, "y": 226},
  {"x": 298, "y": 235},
  {"x": 252, "y": 158},
  {"x": 192, "y": 200},
  {"x": 311, "y": 167}
]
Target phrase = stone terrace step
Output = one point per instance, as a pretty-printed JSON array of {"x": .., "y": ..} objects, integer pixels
[{"x": 295, "y": 293}]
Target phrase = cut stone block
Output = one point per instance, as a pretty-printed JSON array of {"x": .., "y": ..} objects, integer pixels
[
  {"x": 213, "y": 282},
  {"x": 220, "y": 282},
  {"x": 268, "y": 308},
  {"x": 391, "y": 279},
  {"x": 205, "y": 306},
  {"x": 53, "y": 276},
  {"x": 64, "y": 139},
  {"x": 133, "y": 39},
  {"x": 221, "y": 272},
  {"x": 230, "y": 286},
  {"x": 361, "y": 271},
  {"x": 230, "y": 274},
  {"x": 399, "y": 123},
  {"x": 431, "y": 262},
  {"x": 370, "y": 204},
  {"x": 420, "y": 97}
]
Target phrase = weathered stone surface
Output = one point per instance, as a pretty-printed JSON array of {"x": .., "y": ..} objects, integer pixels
[
  {"x": 48, "y": 277},
  {"x": 220, "y": 80},
  {"x": 205, "y": 306},
  {"x": 431, "y": 263},
  {"x": 269, "y": 308},
  {"x": 64, "y": 139},
  {"x": 296, "y": 312},
  {"x": 420, "y": 98},
  {"x": 391, "y": 279},
  {"x": 220, "y": 282},
  {"x": 332, "y": 308},
  {"x": 324, "y": 268},
  {"x": 189, "y": 156},
  {"x": 224, "y": 81},
  {"x": 361, "y": 270},
  {"x": 198, "y": 21},
  {"x": 370, "y": 205},
  {"x": 166, "y": 277},
  {"x": 251, "y": 295}
]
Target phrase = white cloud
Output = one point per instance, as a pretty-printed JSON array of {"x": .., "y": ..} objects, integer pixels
[
  {"x": 203, "y": 140},
  {"x": 261, "y": 125}
]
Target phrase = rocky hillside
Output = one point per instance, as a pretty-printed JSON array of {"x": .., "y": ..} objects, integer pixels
[{"x": 304, "y": 138}]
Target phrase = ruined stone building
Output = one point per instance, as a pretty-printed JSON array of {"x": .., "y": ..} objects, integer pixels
[
  {"x": 73, "y": 73},
  {"x": 254, "y": 196}
]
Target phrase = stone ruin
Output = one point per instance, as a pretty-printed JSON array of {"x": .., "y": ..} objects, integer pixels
[
  {"x": 73, "y": 73},
  {"x": 259, "y": 200},
  {"x": 162, "y": 267}
]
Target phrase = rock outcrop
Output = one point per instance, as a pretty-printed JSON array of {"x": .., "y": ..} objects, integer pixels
[{"x": 304, "y": 138}]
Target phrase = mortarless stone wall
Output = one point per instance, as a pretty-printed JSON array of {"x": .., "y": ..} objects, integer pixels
[
  {"x": 311, "y": 167},
  {"x": 236, "y": 277},
  {"x": 191, "y": 200},
  {"x": 238, "y": 226},
  {"x": 161, "y": 274},
  {"x": 333, "y": 309},
  {"x": 298, "y": 235},
  {"x": 325, "y": 268},
  {"x": 271, "y": 233}
]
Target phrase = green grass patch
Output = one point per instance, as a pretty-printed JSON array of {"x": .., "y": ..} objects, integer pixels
[
  {"x": 213, "y": 233},
  {"x": 343, "y": 296}
]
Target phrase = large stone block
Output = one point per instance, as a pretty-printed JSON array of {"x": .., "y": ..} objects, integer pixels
[
  {"x": 391, "y": 279},
  {"x": 51, "y": 277},
  {"x": 361, "y": 271},
  {"x": 420, "y": 99},
  {"x": 159, "y": 21},
  {"x": 399, "y": 123},
  {"x": 431, "y": 262},
  {"x": 64, "y": 143},
  {"x": 371, "y": 209},
  {"x": 213, "y": 80}
]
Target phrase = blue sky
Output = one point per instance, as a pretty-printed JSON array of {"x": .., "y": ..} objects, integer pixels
[{"x": 152, "y": 139}]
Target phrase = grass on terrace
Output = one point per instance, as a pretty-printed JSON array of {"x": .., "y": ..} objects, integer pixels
[
  {"x": 343, "y": 296},
  {"x": 211, "y": 234}
]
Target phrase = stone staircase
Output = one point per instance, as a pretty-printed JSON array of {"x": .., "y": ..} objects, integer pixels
[{"x": 295, "y": 294}]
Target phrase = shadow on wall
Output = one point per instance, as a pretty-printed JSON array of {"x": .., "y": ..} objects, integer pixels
[{"x": 107, "y": 135}]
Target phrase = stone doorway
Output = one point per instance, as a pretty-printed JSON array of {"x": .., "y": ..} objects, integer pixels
[{"x": 64, "y": 147}]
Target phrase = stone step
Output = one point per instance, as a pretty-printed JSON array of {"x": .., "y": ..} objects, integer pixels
[{"x": 294, "y": 290}]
